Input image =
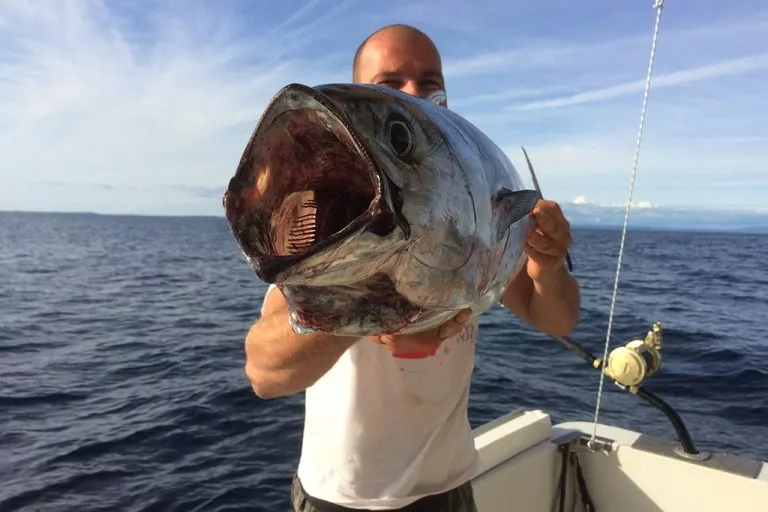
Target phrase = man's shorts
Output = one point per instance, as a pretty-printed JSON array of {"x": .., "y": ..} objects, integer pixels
[{"x": 459, "y": 499}]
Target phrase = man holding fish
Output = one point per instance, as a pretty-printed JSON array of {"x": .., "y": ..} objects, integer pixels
[{"x": 386, "y": 425}]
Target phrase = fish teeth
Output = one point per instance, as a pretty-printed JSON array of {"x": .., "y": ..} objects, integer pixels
[{"x": 295, "y": 223}]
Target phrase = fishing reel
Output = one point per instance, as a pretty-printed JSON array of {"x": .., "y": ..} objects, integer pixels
[
  {"x": 628, "y": 367},
  {"x": 637, "y": 360}
]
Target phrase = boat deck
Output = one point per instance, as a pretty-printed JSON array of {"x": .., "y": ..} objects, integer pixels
[{"x": 521, "y": 463}]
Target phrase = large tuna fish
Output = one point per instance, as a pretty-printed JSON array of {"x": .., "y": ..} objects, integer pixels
[{"x": 375, "y": 211}]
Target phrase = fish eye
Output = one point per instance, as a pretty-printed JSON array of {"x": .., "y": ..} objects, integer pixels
[{"x": 400, "y": 137}]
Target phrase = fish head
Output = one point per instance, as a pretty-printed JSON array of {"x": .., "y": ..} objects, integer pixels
[
  {"x": 399, "y": 132},
  {"x": 335, "y": 182},
  {"x": 312, "y": 195},
  {"x": 423, "y": 156}
]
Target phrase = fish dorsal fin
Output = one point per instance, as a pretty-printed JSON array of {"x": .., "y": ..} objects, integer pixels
[
  {"x": 533, "y": 173},
  {"x": 538, "y": 190},
  {"x": 511, "y": 206}
]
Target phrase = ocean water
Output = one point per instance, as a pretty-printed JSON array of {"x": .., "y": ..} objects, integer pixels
[{"x": 121, "y": 359}]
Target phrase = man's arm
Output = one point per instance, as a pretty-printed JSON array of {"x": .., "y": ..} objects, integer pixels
[
  {"x": 551, "y": 304},
  {"x": 546, "y": 295},
  {"x": 280, "y": 362}
]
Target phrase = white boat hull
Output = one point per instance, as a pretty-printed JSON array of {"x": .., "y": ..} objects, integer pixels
[{"x": 520, "y": 467}]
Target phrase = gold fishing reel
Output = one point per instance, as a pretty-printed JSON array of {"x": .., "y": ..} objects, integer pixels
[{"x": 637, "y": 360}]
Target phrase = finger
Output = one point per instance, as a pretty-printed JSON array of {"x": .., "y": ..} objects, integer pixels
[
  {"x": 563, "y": 230},
  {"x": 546, "y": 223},
  {"x": 412, "y": 344},
  {"x": 384, "y": 340},
  {"x": 546, "y": 245},
  {"x": 551, "y": 208},
  {"x": 454, "y": 325},
  {"x": 429, "y": 340},
  {"x": 559, "y": 230},
  {"x": 559, "y": 237},
  {"x": 552, "y": 221},
  {"x": 540, "y": 257}
]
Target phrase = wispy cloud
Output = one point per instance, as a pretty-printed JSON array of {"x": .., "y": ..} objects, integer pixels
[
  {"x": 126, "y": 95},
  {"x": 575, "y": 104},
  {"x": 678, "y": 78},
  {"x": 121, "y": 106}
]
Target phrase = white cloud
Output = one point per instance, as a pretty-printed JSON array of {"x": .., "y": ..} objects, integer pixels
[
  {"x": 682, "y": 77},
  {"x": 539, "y": 56},
  {"x": 581, "y": 200},
  {"x": 144, "y": 107},
  {"x": 89, "y": 94}
]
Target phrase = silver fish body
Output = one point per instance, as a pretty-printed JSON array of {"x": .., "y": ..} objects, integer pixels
[{"x": 375, "y": 211}]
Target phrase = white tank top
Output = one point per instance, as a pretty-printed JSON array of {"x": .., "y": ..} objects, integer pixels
[{"x": 381, "y": 432}]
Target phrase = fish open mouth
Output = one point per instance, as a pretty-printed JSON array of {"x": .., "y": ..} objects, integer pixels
[
  {"x": 303, "y": 182},
  {"x": 321, "y": 182}
]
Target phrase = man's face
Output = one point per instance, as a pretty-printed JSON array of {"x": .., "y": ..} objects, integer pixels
[{"x": 402, "y": 61}]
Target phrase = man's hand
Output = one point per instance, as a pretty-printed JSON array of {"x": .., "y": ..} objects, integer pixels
[
  {"x": 546, "y": 296},
  {"x": 548, "y": 242},
  {"x": 425, "y": 343}
]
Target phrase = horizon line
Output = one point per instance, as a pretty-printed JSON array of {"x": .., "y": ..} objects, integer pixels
[
  {"x": 650, "y": 225},
  {"x": 760, "y": 212}
]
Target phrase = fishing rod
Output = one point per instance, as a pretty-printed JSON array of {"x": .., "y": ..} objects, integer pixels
[{"x": 628, "y": 366}]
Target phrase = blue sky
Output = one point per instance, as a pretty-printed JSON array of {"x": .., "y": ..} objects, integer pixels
[{"x": 145, "y": 106}]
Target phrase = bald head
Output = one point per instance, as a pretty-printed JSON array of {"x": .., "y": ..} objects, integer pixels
[{"x": 401, "y": 57}]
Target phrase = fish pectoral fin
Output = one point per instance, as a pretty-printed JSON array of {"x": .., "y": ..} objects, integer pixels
[
  {"x": 538, "y": 191},
  {"x": 511, "y": 206}
]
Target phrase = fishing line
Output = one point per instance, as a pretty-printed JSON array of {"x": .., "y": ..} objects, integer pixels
[{"x": 657, "y": 4}]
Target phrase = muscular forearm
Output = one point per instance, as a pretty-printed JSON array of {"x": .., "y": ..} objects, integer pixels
[
  {"x": 280, "y": 362},
  {"x": 555, "y": 303}
]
